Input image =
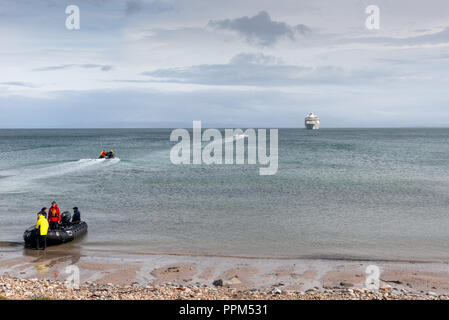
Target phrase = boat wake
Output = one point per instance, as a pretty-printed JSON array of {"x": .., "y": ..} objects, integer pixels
[
  {"x": 95, "y": 161},
  {"x": 18, "y": 180}
]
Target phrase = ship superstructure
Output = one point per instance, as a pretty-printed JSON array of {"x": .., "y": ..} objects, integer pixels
[{"x": 312, "y": 121}]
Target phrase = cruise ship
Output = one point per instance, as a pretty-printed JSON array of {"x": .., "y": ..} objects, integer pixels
[{"x": 312, "y": 121}]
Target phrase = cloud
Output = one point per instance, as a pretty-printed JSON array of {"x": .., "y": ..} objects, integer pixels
[
  {"x": 251, "y": 58},
  {"x": 435, "y": 38},
  {"x": 263, "y": 70},
  {"x": 139, "y": 6},
  {"x": 84, "y": 66},
  {"x": 17, "y": 84},
  {"x": 260, "y": 29},
  {"x": 133, "y": 6},
  {"x": 96, "y": 66}
]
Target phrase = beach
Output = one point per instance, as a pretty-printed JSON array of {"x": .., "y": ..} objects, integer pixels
[{"x": 37, "y": 274}]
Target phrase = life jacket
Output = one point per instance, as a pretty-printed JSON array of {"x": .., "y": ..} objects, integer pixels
[{"x": 53, "y": 212}]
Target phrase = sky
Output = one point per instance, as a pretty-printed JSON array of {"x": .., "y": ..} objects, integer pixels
[{"x": 251, "y": 63}]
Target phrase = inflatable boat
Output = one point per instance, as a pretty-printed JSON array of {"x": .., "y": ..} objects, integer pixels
[
  {"x": 107, "y": 157},
  {"x": 61, "y": 235}
]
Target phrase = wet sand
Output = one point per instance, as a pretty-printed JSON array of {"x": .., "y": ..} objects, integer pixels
[{"x": 239, "y": 273}]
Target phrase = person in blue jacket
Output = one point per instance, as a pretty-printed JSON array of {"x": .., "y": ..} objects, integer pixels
[
  {"x": 76, "y": 215},
  {"x": 43, "y": 212}
]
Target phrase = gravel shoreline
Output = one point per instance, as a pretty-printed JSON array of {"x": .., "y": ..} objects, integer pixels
[{"x": 25, "y": 289}]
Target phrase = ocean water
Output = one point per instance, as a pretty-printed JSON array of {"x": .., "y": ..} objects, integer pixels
[{"x": 338, "y": 193}]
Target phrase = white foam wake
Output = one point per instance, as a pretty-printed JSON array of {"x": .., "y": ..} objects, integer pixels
[
  {"x": 95, "y": 161},
  {"x": 18, "y": 180}
]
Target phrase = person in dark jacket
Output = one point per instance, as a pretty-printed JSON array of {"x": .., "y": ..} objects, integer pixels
[
  {"x": 76, "y": 215},
  {"x": 43, "y": 212},
  {"x": 110, "y": 154}
]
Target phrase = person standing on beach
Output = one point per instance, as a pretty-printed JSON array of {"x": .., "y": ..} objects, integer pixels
[
  {"x": 42, "y": 226},
  {"x": 54, "y": 216}
]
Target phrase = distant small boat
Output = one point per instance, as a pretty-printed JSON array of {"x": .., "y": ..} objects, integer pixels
[
  {"x": 107, "y": 156},
  {"x": 312, "y": 122}
]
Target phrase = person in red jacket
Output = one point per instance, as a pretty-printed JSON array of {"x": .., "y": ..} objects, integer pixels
[{"x": 54, "y": 216}]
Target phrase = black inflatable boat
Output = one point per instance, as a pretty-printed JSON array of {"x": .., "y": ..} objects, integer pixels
[
  {"x": 61, "y": 235},
  {"x": 108, "y": 155}
]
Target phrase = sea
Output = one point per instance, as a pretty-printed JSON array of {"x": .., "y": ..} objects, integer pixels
[{"x": 338, "y": 194}]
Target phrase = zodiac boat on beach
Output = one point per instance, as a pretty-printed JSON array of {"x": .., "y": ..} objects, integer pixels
[{"x": 63, "y": 234}]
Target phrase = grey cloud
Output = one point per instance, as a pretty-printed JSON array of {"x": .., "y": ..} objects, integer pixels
[
  {"x": 133, "y": 6},
  {"x": 140, "y": 6},
  {"x": 262, "y": 70},
  {"x": 84, "y": 66},
  {"x": 65, "y": 66},
  {"x": 95, "y": 66},
  {"x": 250, "y": 58},
  {"x": 260, "y": 29},
  {"x": 17, "y": 84}
]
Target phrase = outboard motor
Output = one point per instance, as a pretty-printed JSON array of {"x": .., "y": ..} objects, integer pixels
[{"x": 66, "y": 217}]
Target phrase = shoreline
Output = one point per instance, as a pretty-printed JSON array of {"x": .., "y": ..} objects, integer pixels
[
  {"x": 75, "y": 246},
  {"x": 244, "y": 276}
]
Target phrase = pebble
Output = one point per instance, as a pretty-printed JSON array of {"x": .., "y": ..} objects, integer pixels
[
  {"x": 11, "y": 288},
  {"x": 346, "y": 284}
]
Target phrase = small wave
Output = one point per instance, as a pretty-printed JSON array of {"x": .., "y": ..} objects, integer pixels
[{"x": 10, "y": 244}]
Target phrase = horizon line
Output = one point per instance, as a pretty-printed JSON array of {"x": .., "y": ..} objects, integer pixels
[{"x": 210, "y": 127}]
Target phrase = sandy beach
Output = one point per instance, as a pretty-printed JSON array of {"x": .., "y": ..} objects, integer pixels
[{"x": 210, "y": 277}]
